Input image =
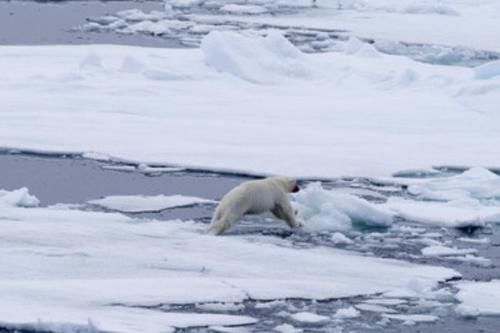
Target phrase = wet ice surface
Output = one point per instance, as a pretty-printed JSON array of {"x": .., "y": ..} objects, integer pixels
[{"x": 72, "y": 179}]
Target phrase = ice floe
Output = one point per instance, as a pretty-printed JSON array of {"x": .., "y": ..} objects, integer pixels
[
  {"x": 475, "y": 183},
  {"x": 81, "y": 269},
  {"x": 143, "y": 203},
  {"x": 315, "y": 124},
  {"x": 374, "y": 308},
  {"x": 20, "y": 197},
  {"x": 438, "y": 250},
  {"x": 445, "y": 214},
  {"x": 346, "y": 313},
  {"x": 309, "y": 318},
  {"x": 411, "y": 319},
  {"x": 478, "y": 298}
]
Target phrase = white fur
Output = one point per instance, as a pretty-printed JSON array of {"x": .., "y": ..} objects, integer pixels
[{"x": 255, "y": 197}]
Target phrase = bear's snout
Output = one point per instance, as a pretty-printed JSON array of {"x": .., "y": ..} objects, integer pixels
[{"x": 296, "y": 189}]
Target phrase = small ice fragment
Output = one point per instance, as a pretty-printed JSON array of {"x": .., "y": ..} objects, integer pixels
[
  {"x": 412, "y": 318},
  {"x": 340, "y": 239},
  {"x": 287, "y": 328},
  {"x": 439, "y": 250},
  {"x": 20, "y": 197},
  {"x": 374, "y": 308},
  {"x": 309, "y": 317},
  {"x": 346, "y": 313}
]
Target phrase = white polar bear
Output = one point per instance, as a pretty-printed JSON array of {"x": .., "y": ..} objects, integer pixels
[{"x": 255, "y": 197}]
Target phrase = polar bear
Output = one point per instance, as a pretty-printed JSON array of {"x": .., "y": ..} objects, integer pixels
[{"x": 255, "y": 197}]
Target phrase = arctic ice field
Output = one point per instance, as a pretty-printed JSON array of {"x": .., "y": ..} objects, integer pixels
[{"x": 122, "y": 124}]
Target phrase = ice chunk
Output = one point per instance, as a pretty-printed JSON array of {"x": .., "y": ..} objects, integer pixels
[
  {"x": 309, "y": 318},
  {"x": 142, "y": 203},
  {"x": 346, "y": 313},
  {"x": 374, "y": 308},
  {"x": 443, "y": 214},
  {"x": 439, "y": 250},
  {"x": 154, "y": 28},
  {"x": 20, "y": 197},
  {"x": 339, "y": 238},
  {"x": 412, "y": 318},
  {"x": 322, "y": 209},
  {"x": 287, "y": 328},
  {"x": 478, "y": 298},
  {"x": 477, "y": 183},
  {"x": 254, "y": 59}
]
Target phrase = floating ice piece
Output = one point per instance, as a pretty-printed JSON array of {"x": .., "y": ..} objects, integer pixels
[
  {"x": 484, "y": 240},
  {"x": 259, "y": 59},
  {"x": 438, "y": 251},
  {"x": 20, "y": 197},
  {"x": 309, "y": 318},
  {"x": 340, "y": 239},
  {"x": 322, "y": 209},
  {"x": 154, "y": 28},
  {"x": 412, "y": 318},
  {"x": 346, "y": 313},
  {"x": 142, "y": 203},
  {"x": 443, "y": 214},
  {"x": 287, "y": 328},
  {"x": 220, "y": 307},
  {"x": 229, "y": 329},
  {"x": 374, "y": 308},
  {"x": 478, "y": 298},
  {"x": 476, "y": 183}
]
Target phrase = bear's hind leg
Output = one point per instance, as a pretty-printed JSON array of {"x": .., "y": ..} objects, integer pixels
[{"x": 221, "y": 224}]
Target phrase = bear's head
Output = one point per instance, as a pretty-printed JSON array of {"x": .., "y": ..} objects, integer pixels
[{"x": 286, "y": 183}]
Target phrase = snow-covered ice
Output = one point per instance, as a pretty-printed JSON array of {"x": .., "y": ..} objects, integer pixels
[
  {"x": 374, "y": 308},
  {"x": 439, "y": 250},
  {"x": 142, "y": 203},
  {"x": 346, "y": 313},
  {"x": 411, "y": 318},
  {"x": 81, "y": 268},
  {"x": 318, "y": 115},
  {"x": 478, "y": 298},
  {"x": 20, "y": 197},
  {"x": 309, "y": 317},
  {"x": 475, "y": 183},
  {"x": 451, "y": 214}
]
